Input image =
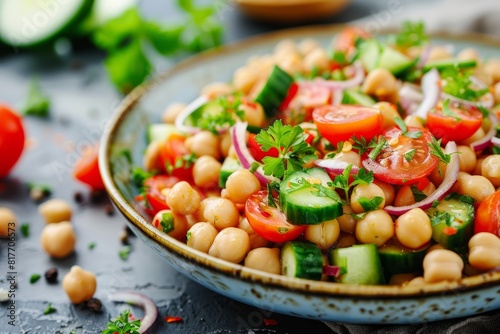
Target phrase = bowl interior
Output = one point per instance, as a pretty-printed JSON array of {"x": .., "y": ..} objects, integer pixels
[{"x": 124, "y": 141}]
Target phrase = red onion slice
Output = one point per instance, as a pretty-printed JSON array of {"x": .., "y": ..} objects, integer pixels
[
  {"x": 335, "y": 167},
  {"x": 495, "y": 141},
  {"x": 424, "y": 57},
  {"x": 355, "y": 80},
  {"x": 484, "y": 142},
  {"x": 238, "y": 136},
  {"x": 431, "y": 88},
  {"x": 333, "y": 271},
  {"x": 135, "y": 298},
  {"x": 410, "y": 97},
  {"x": 450, "y": 177},
  {"x": 183, "y": 116}
]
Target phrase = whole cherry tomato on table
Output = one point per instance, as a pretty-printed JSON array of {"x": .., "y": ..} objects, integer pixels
[
  {"x": 11, "y": 139},
  {"x": 86, "y": 169}
]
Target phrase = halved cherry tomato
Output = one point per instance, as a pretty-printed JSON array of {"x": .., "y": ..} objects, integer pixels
[
  {"x": 341, "y": 122},
  {"x": 257, "y": 152},
  {"x": 292, "y": 91},
  {"x": 86, "y": 168},
  {"x": 153, "y": 187},
  {"x": 346, "y": 40},
  {"x": 172, "y": 154},
  {"x": 308, "y": 98},
  {"x": 488, "y": 215},
  {"x": 269, "y": 222},
  {"x": 393, "y": 167},
  {"x": 460, "y": 125},
  {"x": 11, "y": 139}
]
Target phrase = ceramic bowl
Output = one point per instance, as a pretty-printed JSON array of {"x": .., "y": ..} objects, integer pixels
[
  {"x": 291, "y": 11},
  {"x": 122, "y": 146}
]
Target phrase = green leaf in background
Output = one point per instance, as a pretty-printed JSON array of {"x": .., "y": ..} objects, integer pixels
[
  {"x": 114, "y": 33},
  {"x": 165, "y": 40},
  {"x": 37, "y": 103}
]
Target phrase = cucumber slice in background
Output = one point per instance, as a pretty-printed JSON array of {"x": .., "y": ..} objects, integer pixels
[
  {"x": 361, "y": 264},
  {"x": 447, "y": 63},
  {"x": 394, "y": 61},
  {"x": 302, "y": 260},
  {"x": 355, "y": 96},
  {"x": 160, "y": 131},
  {"x": 274, "y": 91},
  {"x": 31, "y": 23},
  {"x": 370, "y": 51}
]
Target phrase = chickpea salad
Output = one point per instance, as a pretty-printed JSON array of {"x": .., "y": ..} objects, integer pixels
[{"x": 371, "y": 161}]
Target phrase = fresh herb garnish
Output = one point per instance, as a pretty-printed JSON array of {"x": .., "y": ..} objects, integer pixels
[
  {"x": 25, "y": 230},
  {"x": 448, "y": 112},
  {"x": 369, "y": 204},
  {"x": 404, "y": 129},
  {"x": 229, "y": 112},
  {"x": 320, "y": 190},
  {"x": 34, "y": 278},
  {"x": 440, "y": 217},
  {"x": 167, "y": 222},
  {"x": 291, "y": 144},
  {"x": 124, "y": 252},
  {"x": 342, "y": 181},
  {"x": 358, "y": 216},
  {"x": 380, "y": 144},
  {"x": 50, "y": 309},
  {"x": 411, "y": 34},
  {"x": 126, "y": 37},
  {"x": 139, "y": 175},
  {"x": 437, "y": 151},
  {"x": 272, "y": 188},
  {"x": 408, "y": 155},
  {"x": 122, "y": 325},
  {"x": 459, "y": 84},
  {"x": 37, "y": 103},
  {"x": 462, "y": 198},
  {"x": 485, "y": 111},
  {"x": 418, "y": 194}
]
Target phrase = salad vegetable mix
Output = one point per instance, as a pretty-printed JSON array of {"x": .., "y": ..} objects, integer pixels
[{"x": 371, "y": 161}]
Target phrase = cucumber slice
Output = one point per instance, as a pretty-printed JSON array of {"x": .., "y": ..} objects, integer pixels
[
  {"x": 360, "y": 264},
  {"x": 274, "y": 91},
  {"x": 160, "y": 131},
  {"x": 30, "y": 23},
  {"x": 369, "y": 53},
  {"x": 211, "y": 108},
  {"x": 300, "y": 200},
  {"x": 398, "y": 259},
  {"x": 229, "y": 166},
  {"x": 457, "y": 215},
  {"x": 447, "y": 63},
  {"x": 302, "y": 260},
  {"x": 355, "y": 96},
  {"x": 394, "y": 61}
]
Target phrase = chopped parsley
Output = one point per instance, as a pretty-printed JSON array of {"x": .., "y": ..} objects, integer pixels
[
  {"x": 37, "y": 103},
  {"x": 404, "y": 129},
  {"x": 50, "y": 309},
  {"x": 122, "y": 325},
  {"x": 34, "y": 278},
  {"x": 124, "y": 252},
  {"x": 341, "y": 181},
  {"x": 418, "y": 194},
  {"x": 25, "y": 230},
  {"x": 447, "y": 111},
  {"x": 369, "y": 204},
  {"x": 458, "y": 83},
  {"x": 411, "y": 34}
]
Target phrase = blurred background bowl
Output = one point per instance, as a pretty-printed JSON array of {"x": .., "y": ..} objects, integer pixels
[{"x": 291, "y": 11}]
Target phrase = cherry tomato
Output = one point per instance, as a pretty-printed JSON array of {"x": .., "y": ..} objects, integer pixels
[
  {"x": 292, "y": 91},
  {"x": 404, "y": 160},
  {"x": 257, "y": 152},
  {"x": 172, "y": 155},
  {"x": 308, "y": 98},
  {"x": 11, "y": 139},
  {"x": 269, "y": 222},
  {"x": 341, "y": 122},
  {"x": 346, "y": 40},
  {"x": 86, "y": 168},
  {"x": 488, "y": 215},
  {"x": 153, "y": 187},
  {"x": 459, "y": 124}
]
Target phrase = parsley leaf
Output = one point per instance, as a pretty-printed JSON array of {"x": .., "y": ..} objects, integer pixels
[
  {"x": 124, "y": 252},
  {"x": 50, "y": 309},
  {"x": 293, "y": 150},
  {"x": 459, "y": 84},
  {"x": 437, "y": 151},
  {"x": 440, "y": 217},
  {"x": 369, "y": 204},
  {"x": 408, "y": 155},
  {"x": 448, "y": 112},
  {"x": 411, "y": 34},
  {"x": 34, "y": 278},
  {"x": 25, "y": 230},
  {"x": 342, "y": 181},
  {"x": 122, "y": 325},
  {"x": 404, "y": 129},
  {"x": 381, "y": 143},
  {"x": 418, "y": 194},
  {"x": 227, "y": 112},
  {"x": 37, "y": 103},
  {"x": 139, "y": 175}
]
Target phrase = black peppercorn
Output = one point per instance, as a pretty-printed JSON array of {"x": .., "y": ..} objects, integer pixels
[
  {"x": 51, "y": 275},
  {"x": 94, "y": 304}
]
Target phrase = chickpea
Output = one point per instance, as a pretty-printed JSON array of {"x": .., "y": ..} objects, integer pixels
[
  {"x": 240, "y": 185},
  {"x": 438, "y": 173},
  {"x": 316, "y": 59},
  {"x": 221, "y": 213},
  {"x": 496, "y": 92},
  {"x": 478, "y": 166},
  {"x": 172, "y": 111},
  {"x": 307, "y": 45},
  {"x": 290, "y": 63},
  {"x": 442, "y": 265},
  {"x": 245, "y": 78},
  {"x": 476, "y": 136},
  {"x": 484, "y": 251},
  {"x": 405, "y": 194},
  {"x": 324, "y": 235},
  {"x": 231, "y": 244},
  {"x": 467, "y": 158},
  {"x": 413, "y": 121},
  {"x": 469, "y": 54},
  {"x": 264, "y": 259},
  {"x": 434, "y": 247},
  {"x": 256, "y": 240},
  {"x": 439, "y": 53},
  {"x": 375, "y": 228},
  {"x": 476, "y": 186},
  {"x": 490, "y": 169},
  {"x": 55, "y": 211},
  {"x": 493, "y": 67},
  {"x": 183, "y": 199},
  {"x": 417, "y": 281},
  {"x": 285, "y": 46},
  {"x": 151, "y": 160},
  {"x": 58, "y": 240},
  {"x": 225, "y": 144},
  {"x": 201, "y": 236},
  {"x": 347, "y": 223},
  {"x": 345, "y": 240},
  {"x": 216, "y": 89},
  {"x": 367, "y": 192},
  {"x": 389, "y": 192},
  {"x": 382, "y": 84},
  {"x": 204, "y": 143},
  {"x": 171, "y": 223},
  {"x": 7, "y": 217},
  {"x": 413, "y": 228},
  {"x": 401, "y": 279},
  {"x": 254, "y": 113},
  {"x": 350, "y": 157},
  {"x": 79, "y": 284},
  {"x": 206, "y": 171},
  {"x": 389, "y": 112}
]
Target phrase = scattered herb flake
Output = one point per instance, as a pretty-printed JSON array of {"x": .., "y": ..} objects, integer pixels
[
  {"x": 25, "y": 230},
  {"x": 34, "y": 278},
  {"x": 448, "y": 112},
  {"x": 459, "y": 84},
  {"x": 411, "y": 34},
  {"x": 418, "y": 194},
  {"x": 92, "y": 245},
  {"x": 370, "y": 204},
  {"x": 37, "y": 103},
  {"x": 50, "y": 309},
  {"x": 124, "y": 252}
]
